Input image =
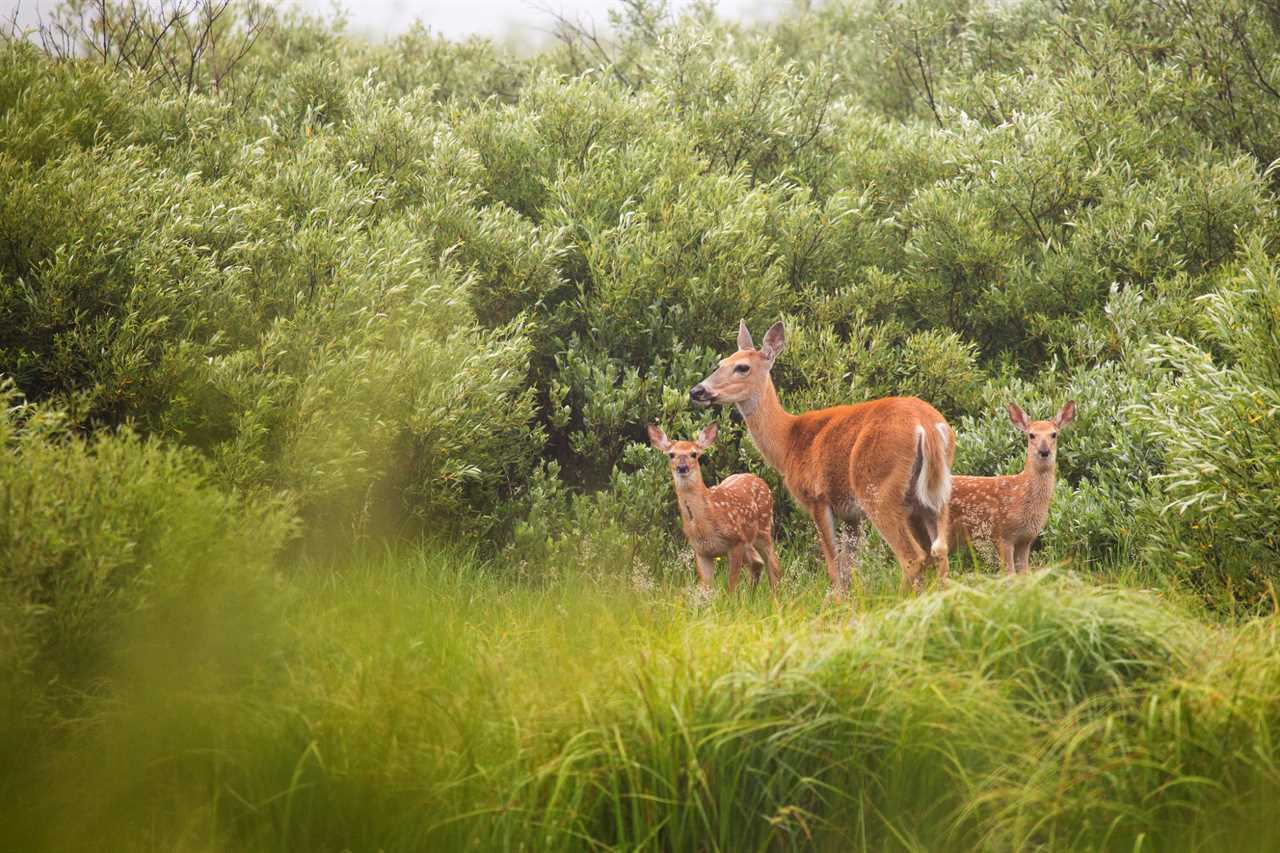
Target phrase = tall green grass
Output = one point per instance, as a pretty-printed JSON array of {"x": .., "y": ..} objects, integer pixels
[{"x": 423, "y": 701}]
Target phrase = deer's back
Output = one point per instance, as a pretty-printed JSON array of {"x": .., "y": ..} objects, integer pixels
[
  {"x": 831, "y": 448},
  {"x": 740, "y": 510},
  {"x": 747, "y": 497}
]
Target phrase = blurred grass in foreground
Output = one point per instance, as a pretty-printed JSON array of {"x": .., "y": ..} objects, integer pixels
[{"x": 423, "y": 701}]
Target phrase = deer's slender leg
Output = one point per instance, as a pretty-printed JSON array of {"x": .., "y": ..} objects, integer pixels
[
  {"x": 896, "y": 529},
  {"x": 706, "y": 570},
  {"x": 736, "y": 557},
  {"x": 940, "y": 549},
  {"x": 1007, "y": 555},
  {"x": 825, "y": 520},
  {"x": 765, "y": 546},
  {"x": 1022, "y": 556}
]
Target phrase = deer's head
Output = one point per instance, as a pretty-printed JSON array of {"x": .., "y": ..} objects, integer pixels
[
  {"x": 1042, "y": 436},
  {"x": 682, "y": 456},
  {"x": 742, "y": 376}
]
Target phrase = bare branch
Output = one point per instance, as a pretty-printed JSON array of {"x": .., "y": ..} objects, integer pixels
[
  {"x": 584, "y": 42},
  {"x": 183, "y": 45}
]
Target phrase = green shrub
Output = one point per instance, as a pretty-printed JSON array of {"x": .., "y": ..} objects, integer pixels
[
  {"x": 472, "y": 70},
  {"x": 1212, "y": 516},
  {"x": 94, "y": 529},
  {"x": 47, "y": 110},
  {"x": 331, "y": 354}
]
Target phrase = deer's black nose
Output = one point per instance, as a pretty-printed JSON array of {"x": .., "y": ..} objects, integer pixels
[
  {"x": 699, "y": 394},
  {"x": 1045, "y": 453},
  {"x": 682, "y": 469}
]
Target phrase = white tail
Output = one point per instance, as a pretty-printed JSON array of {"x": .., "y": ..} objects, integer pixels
[
  {"x": 733, "y": 519},
  {"x": 887, "y": 460},
  {"x": 933, "y": 484},
  {"x": 1009, "y": 512}
]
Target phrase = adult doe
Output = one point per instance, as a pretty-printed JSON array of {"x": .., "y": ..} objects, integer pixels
[
  {"x": 1009, "y": 512},
  {"x": 888, "y": 460},
  {"x": 734, "y": 518}
]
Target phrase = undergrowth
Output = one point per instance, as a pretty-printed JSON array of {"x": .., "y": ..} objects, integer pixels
[{"x": 422, "y": 701}]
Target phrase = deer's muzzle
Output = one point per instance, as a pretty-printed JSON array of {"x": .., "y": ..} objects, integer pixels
[{"x": 700, "y": 394}]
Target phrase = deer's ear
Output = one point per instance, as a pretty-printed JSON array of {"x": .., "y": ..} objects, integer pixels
[
  {"x": 1019, "y": 417},
  {"x": 1066, "y": 414},
  {"x": 744, "y": 337},
  {"x": 658, "y": 438},
  {"x": 708, "y": 435},
  {"x": 774, "y": 341}
]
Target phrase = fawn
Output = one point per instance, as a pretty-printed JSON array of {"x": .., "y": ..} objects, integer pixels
[
  {"x": 733, "y": 518},
  {"x": 887, "y": 460},
  {"x": 1009, "y": 512}
]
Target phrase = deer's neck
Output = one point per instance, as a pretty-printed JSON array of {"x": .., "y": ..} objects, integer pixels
[
  {"x": 769, "y": 425},
  {"x": 692, "y": 495},
  {"x": 1039, "y": 482}
]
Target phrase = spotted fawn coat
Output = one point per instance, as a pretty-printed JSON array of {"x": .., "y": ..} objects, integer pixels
[
  {"x": 1008, "y": 513},
  {"x": 733, "y": 519}
]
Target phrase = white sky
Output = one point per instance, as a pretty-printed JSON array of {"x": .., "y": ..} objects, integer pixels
[{"x": 523, "y": 19}]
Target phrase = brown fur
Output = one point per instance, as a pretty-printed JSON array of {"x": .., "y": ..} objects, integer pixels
[
  {"x": 733, "y": 519},
  {"x": 1009, "y": 512},
  {"x": 888, "y": 460}
]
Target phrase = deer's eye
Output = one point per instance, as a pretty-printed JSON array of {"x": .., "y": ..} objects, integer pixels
[
  {"x": 1033, "y": 435},
  {"x": 742, "y": 368},
  {"x": 1053, "y": 435},
  {"x": 694, "y": 455},
  {"x": 672, "y": 455}
]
